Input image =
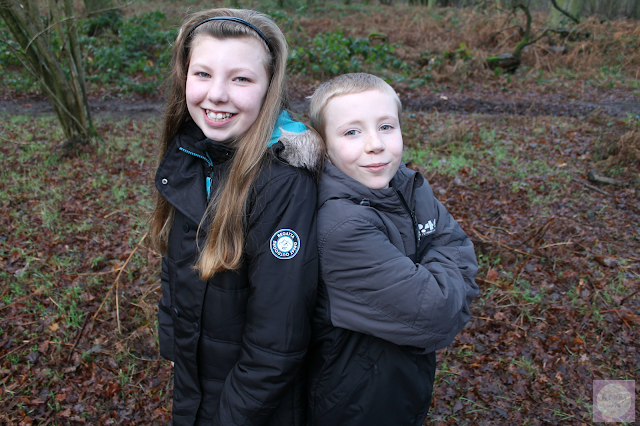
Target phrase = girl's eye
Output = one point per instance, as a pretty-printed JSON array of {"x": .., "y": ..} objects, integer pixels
[
  {"x": 242, "y": 79},
  {"x": 351, "y": 133},
  {"x": 202, "y": 74},
  {"x": 386, "y": 127}
]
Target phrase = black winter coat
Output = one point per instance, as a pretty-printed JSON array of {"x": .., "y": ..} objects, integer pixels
[
  {"x": 239, "y": 340},
  {"x": 397, "y": 277}
]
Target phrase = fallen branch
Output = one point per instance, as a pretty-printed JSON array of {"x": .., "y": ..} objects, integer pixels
[
  {"x": 73, "y": 348},
  {"x": 495, "y": 320},
  {"x": 596, "y": 178},
  {"x": 556, "y": 244},
  {"x": 546, "y": 227},
  {"x": 595, "y": 188},
  {"x": 100, "y": 273},
  {"x": 533, "y": 236},
  {"x": 616, "y": 311},
  {"x": 115, "y": 284},
  {"x": 486, "y": 281},
  {"x": 23, "y": 298},
  {"x": 489, "y": 240},
  {"x": 17, "y": 349},
  {"x": 564, "y": 12},
  {"x": 629, "y": 297}
]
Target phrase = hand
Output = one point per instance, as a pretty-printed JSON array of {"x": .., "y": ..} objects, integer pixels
[{"x": 172, "y": 364}]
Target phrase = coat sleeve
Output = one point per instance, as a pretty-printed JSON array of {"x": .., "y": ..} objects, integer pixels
[
  {"x": 450, "y": 256},
  {"x": 375, "y": 289},
  {"x": 280, "y": 304},
  {"x": 165, "y": 322}
]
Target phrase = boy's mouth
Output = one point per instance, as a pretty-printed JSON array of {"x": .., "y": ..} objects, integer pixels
[
  {"x": 377, "y": 167},
  {"x": 218, "y": 116}
]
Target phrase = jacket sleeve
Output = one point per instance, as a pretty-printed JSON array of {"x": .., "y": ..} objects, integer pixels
[
  {"x": 165, "y": 322},
  {"x": 375, "y": 289},
  {"x": 280, "y": 303},
  {"x": 451, "y": 254}
]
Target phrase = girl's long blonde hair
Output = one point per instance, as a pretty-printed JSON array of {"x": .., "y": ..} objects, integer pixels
[{"x": 224, "y": 244}]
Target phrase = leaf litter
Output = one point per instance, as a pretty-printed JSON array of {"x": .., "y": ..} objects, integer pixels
[{"x": 509, "y": 157}]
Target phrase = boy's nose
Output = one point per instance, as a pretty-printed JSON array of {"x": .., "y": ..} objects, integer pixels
[
  {"x": 218, "y": 92},
  {"x": 374, "y": 144}
]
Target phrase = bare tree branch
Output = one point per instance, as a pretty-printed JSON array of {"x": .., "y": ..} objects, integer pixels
[{"x": 564, "y": 12}]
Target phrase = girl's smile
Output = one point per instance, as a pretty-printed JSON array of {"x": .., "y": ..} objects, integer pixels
[
  {"x": 218, "y": 117},
  {"x": 227, "y": 81}
]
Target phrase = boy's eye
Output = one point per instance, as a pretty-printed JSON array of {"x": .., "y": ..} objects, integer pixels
[
  {"x": 385, "y": 127},
  {"x": 351, "y": 133}
]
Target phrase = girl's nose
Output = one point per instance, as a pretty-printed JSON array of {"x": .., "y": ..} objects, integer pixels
[
  {"x": 374, "y": 144},
  {"x": 218, "y": 92}
]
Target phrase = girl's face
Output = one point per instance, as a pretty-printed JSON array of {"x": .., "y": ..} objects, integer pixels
[{"x": 227, "y": 81}]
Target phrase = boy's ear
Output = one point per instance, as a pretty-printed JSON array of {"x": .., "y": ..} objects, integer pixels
[{"x": 303, "y": 150}]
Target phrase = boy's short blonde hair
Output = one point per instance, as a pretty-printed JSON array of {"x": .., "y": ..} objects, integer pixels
[{"x": 345, "y": 84}]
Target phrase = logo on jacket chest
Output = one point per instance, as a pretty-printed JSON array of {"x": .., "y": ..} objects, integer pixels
[
  {"x": 427, "y": 228},
  {"x": 285, "y": 244}
]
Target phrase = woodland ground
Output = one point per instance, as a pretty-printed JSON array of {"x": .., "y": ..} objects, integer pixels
[{"x": 508, "y": 156}]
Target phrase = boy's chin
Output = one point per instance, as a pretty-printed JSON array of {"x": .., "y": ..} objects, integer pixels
[{"x": 376, "y": 183}]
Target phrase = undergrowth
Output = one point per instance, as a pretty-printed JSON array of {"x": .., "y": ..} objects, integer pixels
[{"x": 415, "y": 46}]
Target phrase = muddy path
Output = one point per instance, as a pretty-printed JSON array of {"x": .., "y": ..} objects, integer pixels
[
  {"x": 460, "y": 104},
  {"x": 466, "y": 105},
  {"x": 475, "y": 105}
]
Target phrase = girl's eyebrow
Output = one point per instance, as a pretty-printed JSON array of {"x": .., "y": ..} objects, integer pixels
[
  {"x": 241, "y": 70},
  {"x": 230, "y": 71}
]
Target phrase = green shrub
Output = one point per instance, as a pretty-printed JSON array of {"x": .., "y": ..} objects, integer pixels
[
  {"x": 136, "y": 58},
  {"x": 331, "y": 53}
]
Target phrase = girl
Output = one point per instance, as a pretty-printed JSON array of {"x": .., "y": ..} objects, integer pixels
[{"x": 235, "y": 220}]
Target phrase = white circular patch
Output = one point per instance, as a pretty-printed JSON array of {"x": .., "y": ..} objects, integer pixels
[{"x": 285, "y": 244}]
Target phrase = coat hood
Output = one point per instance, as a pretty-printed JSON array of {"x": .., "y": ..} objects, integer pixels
[
  {"x": 302, "y": 149},
  {"x": 336, "y": 184}
]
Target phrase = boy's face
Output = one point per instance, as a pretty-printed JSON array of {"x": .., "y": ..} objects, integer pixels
[{"x": 363, "y": 136}]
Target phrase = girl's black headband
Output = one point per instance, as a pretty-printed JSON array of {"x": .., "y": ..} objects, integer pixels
[{"x": 233, "y": 19}]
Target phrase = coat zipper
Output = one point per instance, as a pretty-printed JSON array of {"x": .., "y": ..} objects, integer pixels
[
  {"x": 207, "y": 159},
  {"x": 416, "y": 231}
]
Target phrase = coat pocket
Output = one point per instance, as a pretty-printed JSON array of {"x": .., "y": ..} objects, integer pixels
[
  {"x": 224, "y": 313},
  {"x": 223, "y": 322}
]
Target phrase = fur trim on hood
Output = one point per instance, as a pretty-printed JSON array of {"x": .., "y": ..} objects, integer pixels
[{"x": 303, "y": 150}]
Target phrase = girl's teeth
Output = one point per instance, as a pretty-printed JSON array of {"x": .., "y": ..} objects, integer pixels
[{"x": 218, "y": 116}]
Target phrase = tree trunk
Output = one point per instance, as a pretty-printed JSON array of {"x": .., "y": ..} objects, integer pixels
[
  {"x": 66, "y": 94},
  {"x": 635, "y": 10}
]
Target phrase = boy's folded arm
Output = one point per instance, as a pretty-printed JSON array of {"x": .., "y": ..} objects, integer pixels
[
  {"x": 451, "y": 244},
  {"x": 375, "y": 289}
]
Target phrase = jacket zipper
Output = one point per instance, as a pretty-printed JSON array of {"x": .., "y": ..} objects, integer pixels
[
  {"x": 416, "y": 231},
  {"x": 207, "y": 159}
]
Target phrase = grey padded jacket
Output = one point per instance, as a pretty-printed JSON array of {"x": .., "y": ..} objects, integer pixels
[{"x": 397, "y": 278}]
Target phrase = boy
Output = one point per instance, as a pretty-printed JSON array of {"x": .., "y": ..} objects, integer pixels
[{"x": 397, "y": 272}]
